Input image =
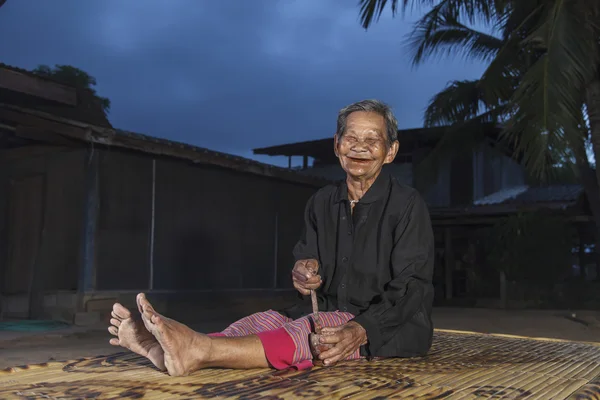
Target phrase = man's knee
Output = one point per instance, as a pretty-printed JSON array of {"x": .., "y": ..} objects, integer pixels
[{"x": 256, "y": 323}]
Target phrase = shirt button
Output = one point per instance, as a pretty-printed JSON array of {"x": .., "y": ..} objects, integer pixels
[
  {"x": 345, "y": 309},
  {"x": 349, "y": 232},
  {"x": 343, "y": 285},
  {"x": 345, "y": 259}
]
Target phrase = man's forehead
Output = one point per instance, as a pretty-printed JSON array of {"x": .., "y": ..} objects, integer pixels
[{"x": 364, "y": 130}]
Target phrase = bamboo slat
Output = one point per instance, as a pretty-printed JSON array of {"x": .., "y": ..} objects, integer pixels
[{"x": 460, "y": 365}]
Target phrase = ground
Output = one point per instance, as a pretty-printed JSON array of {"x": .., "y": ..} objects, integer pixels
[{"x": 72, "y": 343}]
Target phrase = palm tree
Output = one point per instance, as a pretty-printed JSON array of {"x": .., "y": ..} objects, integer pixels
[
  {"x": 542, "y": 82},
  {"x": 74, "y": 77}
]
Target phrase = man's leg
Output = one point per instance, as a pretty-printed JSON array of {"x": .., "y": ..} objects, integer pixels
[
  {"x": 285, "y": 342},
  {"x": 186, "y": 351},
  {"x": 254, "y": 324}
]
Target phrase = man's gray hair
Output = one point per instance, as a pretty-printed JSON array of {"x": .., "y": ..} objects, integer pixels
[{"x": 374, "y": 106}]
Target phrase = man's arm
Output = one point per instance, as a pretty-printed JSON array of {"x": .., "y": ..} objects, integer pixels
[
  {"x": 306, "y": 248},
  {"x": 306, "y": 255},
  {"x": 412, "y": 269}
]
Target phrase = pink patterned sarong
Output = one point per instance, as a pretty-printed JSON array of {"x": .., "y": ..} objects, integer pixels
[{"x": 284, "y": 340}]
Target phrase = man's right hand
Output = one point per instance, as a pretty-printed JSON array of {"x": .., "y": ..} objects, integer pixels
[{"x": 305, "y": 276}]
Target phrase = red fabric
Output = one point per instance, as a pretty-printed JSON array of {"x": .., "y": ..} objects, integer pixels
[
  {"x": 284, "y": 340},
  {"x": 279, "y": 347}
]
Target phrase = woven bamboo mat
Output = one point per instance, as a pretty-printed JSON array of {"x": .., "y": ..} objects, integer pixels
[{"x": 460, "y": 365}]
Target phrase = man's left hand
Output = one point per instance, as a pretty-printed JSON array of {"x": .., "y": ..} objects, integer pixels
[{"x": 346, "y": 339}]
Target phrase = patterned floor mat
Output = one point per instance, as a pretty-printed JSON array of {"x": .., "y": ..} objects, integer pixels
[{"x": 460, "y": 365}]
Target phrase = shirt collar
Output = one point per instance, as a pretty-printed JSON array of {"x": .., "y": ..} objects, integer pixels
[{"x": 377, "y": 190}]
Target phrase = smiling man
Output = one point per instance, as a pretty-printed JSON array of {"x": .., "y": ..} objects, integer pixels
[{"x": 366, "y": 249}]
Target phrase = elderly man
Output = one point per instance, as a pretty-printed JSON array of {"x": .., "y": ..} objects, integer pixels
[{"x": 367, "y": 250}]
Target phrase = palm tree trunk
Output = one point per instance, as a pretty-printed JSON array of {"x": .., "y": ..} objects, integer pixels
[{"x": 593, "y": 108}]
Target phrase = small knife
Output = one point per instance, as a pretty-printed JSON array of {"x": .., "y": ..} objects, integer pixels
[{"x": 315, "y": 308}]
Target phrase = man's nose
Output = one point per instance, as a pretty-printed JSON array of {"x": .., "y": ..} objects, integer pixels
[{"x": 360, "y": 146}]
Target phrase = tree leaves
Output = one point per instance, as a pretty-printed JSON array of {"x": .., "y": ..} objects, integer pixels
[
  {"x": 75, "y": 77},
  {"x": 543, "y": 57}
]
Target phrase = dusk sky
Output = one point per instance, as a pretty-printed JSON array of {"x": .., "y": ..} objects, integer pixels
[{"x": 229, "y": 75}]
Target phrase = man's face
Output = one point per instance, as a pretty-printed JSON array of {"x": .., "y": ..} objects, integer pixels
[{"x": 363, "y": 149}]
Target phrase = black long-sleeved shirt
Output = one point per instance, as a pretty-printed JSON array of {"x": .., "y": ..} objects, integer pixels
[{"x": 376, "y": 263}]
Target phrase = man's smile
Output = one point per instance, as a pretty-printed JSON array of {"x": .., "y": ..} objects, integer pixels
[{"x": 360, "y": 160}]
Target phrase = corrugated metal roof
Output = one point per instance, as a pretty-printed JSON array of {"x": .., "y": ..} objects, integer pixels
[
  {"x": 550, "y": 194},
  {"x": 501, "y": 196},
  {"x": 533, "y": 195},
  {"x": 153, "y": 145}
]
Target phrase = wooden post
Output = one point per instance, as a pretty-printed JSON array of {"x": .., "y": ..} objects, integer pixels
[
  {"x": 87, "y": 273},
  {"x": 503, "y": 290},
  {"x": 581, "y": 253},
  {"x": 304, "y": 162},
  {"x": 448, "y": 262},
  {"x": 289, "y": 162}
]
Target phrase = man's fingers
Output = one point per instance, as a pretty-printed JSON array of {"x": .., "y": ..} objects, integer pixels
[
  {"x": 312, "y": 266},
  {"x": 301, "y": 289},
  {"x": 313, "y": 286},
  {"x": 344, "y": 350},
  {"x": 330, "y": 338},
  {"x": 299, "y": 276},
  {"x": 335, "y": 351},
  {"x": 310, "y": 284},
  {"x": 334, "y": 360},
  {"x": 330, "y": 330}
]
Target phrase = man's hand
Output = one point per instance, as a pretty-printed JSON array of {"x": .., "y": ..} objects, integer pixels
[
  {"x": 346, "y": 339},
  {"x": 304, "y": 276}
]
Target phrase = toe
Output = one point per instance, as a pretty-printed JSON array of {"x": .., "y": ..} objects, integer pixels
[
  {"x": 120, "y": 312},
  {"x": 113, "y": 330},
  {"x": 115, "y": 322},
  {"x": 114, "y": 342},
  {"x": 156, "y": 320},
  {"x": 140, "y": 298}
]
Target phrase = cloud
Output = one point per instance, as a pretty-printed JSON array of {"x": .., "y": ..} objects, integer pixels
[{"x": 229, "y": 75}]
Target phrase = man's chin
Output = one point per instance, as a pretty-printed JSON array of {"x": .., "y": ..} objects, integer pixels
[{"x": 359, "y": 173}]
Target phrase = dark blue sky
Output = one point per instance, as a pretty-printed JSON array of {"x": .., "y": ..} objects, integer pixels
[{"x": 229, "y": 75}]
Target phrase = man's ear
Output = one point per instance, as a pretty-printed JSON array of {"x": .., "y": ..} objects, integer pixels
[
  {"x": 392, "y": 151},
  {"x": 335, "y": 144}
]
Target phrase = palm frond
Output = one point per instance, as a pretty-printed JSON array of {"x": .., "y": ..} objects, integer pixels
[
  {"x": 549, "y": 99},
  {"x": 460, "y": 101},
  {"x": 371, "y": 10},
  {"x": 440, "y": 32},
  {"x": 473, "y": 10}
]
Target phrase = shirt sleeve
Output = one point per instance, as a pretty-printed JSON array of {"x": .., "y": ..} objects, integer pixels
[
  {"x": 412, "y": 270},
  {"x": 306, "y": 247}
]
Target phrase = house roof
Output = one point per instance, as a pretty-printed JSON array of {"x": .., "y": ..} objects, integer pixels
[
  {"x": 550, "y": 194},
  {"x": 521, "y": 198},
  {"x": 27, "y": 89},
  {"x": 54, "y": 126},
  {"x": 563, "y": 194}
]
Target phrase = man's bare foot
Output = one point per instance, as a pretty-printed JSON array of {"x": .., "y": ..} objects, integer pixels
[
  {"x": 133, "y": 335},
  {"x": 185, "y": 350}
]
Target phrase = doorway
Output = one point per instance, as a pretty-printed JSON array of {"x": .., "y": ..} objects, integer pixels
[{"x": 25, "y": 224}]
